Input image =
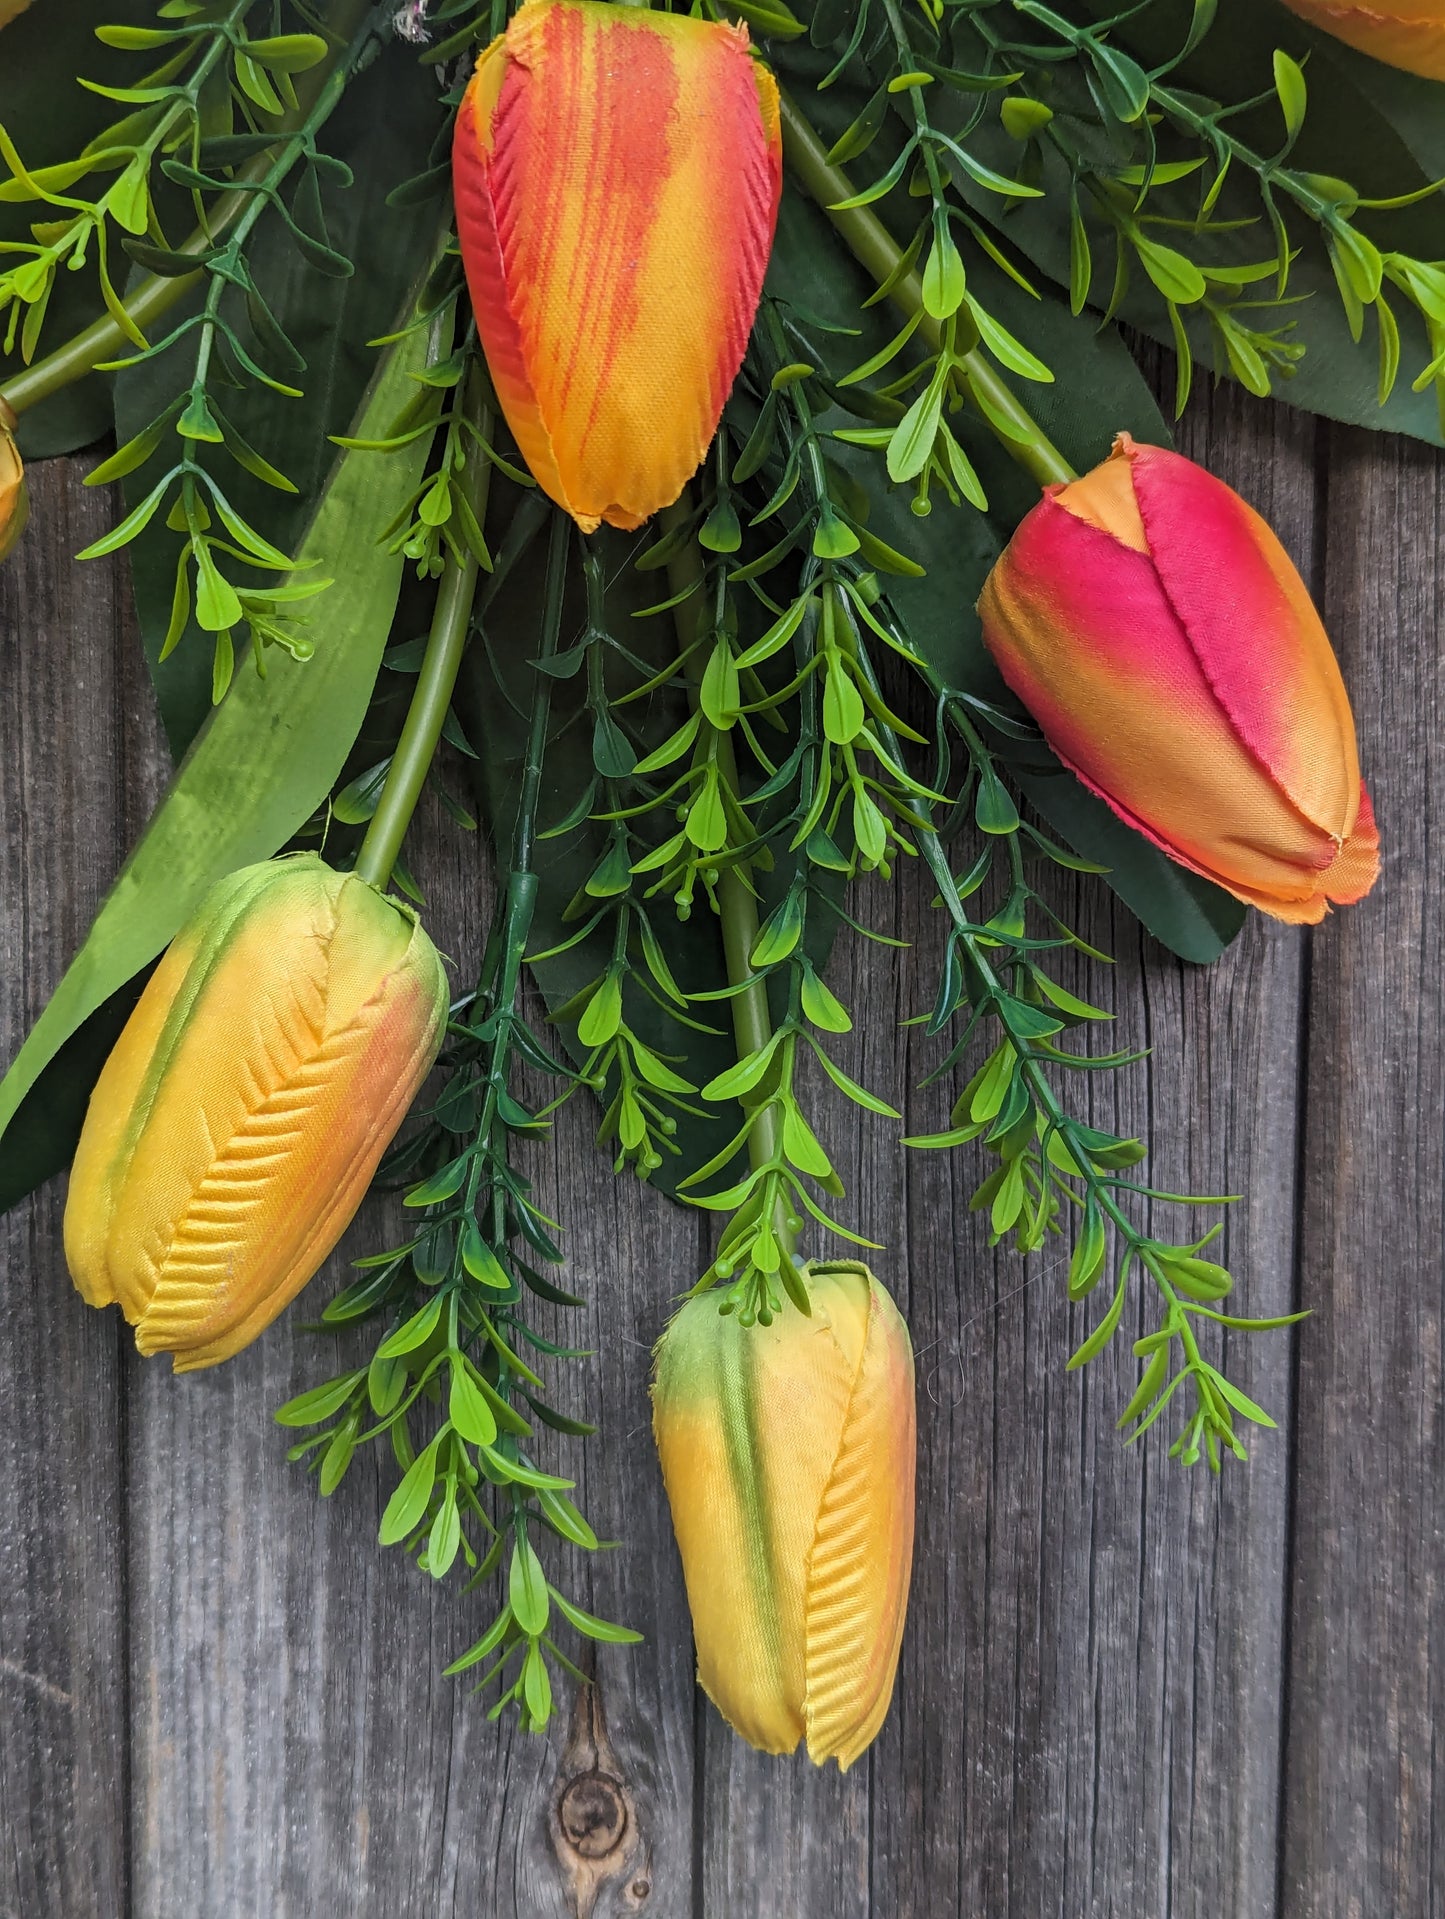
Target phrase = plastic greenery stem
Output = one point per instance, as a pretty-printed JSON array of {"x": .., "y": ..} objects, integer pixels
[
  {"x": 316, "y": 97},
  {"x": 1012, "y": 1105},
  {"x": 456, "y": 1335},
  {"x": 125, "y": 204},
  {"x": 736, "y": 898},
  {"x": 874, "y": 248},
  {"x": 104, "y": 338},
  {"x": 430, "y": 703},
  {"x": 1092, "y": 103}
]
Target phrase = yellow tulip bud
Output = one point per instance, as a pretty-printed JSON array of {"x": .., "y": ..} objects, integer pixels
[
  {"x": 237, "y": 1124},
  {"x": 788, "y": 1455},
  {"x": 14, "y": 506}
]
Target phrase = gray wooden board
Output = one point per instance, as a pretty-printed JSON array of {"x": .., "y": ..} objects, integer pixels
[
  {"x": 1365, "y": 1786},
  {"x": 1125, "y": 1691}
]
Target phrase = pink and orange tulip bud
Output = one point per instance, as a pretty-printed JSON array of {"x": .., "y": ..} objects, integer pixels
[
  {"x": 788, "y": 1455},
  {"x": 237, "y": 1124},
  {"x": 1159, "y": 634},
  {"x": 14, "y": 505},
  {"x": 617, "y": 175},
  {"x": 1402, "y": 33}
]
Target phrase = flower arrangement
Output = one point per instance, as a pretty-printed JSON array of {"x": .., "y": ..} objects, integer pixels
[{"x": 712, "y": 425}]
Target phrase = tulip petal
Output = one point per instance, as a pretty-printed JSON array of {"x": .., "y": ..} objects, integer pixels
[
  {"x": 617, "y": 179},
  {"x": 745, "y": 1478},
  {"x": 1346, "y": 880},
  {"x": 14, "y": 503},
  {"x": 282, "y": 1188},
  {"x": 1403, "y": 33},
  {"x": 1254, "y": 631},
  {"x": 125, "y": 1092},
  {"x": 858, "y": 1571},
  {"x": 1158, "y": 632}
]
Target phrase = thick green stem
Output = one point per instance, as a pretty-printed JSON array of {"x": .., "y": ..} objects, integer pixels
[
  {"x": 737, "y": 903},
  {"x": 502, "y": 966},
  {"x": 524, "y": 832},
  {"x": 103, "y": 339},
  {"x": 425, "y": 719},
  {"x": 317, "y": 95},
  {"x": 874, "y": 247},
  {"x": 427, "y": 714}
]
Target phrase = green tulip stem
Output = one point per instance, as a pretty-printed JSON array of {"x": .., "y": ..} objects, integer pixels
[
  {"x": 318, "y": 93},
  {"x": 874, "y": 247},
  {"x": 524, "y": 832},
  {"x": 737, "y": 902},
  {"x": 427, "y": 714}
]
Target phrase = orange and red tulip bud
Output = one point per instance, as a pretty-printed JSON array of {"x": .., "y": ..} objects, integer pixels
[
  {"x": 1159, "y": 634},
  {"x": 617, "y": 174},
  {"x": 788, "y": 1455},
  {"x": 237, "y": 1124},
  {"x": 1402, "y": 33},
  {"x": 14, "y": 505}
]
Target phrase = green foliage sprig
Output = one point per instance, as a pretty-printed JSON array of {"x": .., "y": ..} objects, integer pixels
[
  {"x": 233, "y": 133},
  {"x": 1034, "y": 106},
  {"x": 1050, "y": 1163},
  {"x": 451, "y": 1363},
  {"x": 642, "y": 1093},
  {"x": 188, "y": 101}
]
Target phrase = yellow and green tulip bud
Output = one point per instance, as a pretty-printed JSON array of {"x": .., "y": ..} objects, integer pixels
[
  {"x": 238, "y": 1122},
  {"x": 788, "y": 1455},
  {"x": 14, "y": 506}
]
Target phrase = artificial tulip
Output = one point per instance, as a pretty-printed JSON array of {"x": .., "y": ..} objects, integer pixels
[
  {"x": 1402, "y": 33},
  {"x": 617, "y": 174},
  {"x": 1155, "y": 628},
  {"x": 788, "y": 1455},
  {"x": 14, "y": 505},
  {"x": 237, "y": 1123}
]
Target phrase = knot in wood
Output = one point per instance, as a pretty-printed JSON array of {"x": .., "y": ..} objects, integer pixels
[{"x": 593, "y": 1815}]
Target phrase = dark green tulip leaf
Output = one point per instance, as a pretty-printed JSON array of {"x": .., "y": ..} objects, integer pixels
[{"x": 264, "y": 762}]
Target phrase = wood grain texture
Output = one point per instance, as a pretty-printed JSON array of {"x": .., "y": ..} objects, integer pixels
[
  {"x": 1365, "y": 1818},
  {"x": 69, "y": 654},
  {"x": 1125, "y": 1692}
]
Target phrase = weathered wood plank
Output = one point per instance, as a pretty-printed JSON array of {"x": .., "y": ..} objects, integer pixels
[
  {"x": 1089, "y": 1709},
  {"x": 70, "y": 671},
  {"x": 1365, "y": 1803},
  {"x": 631, "y": 1254}
]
